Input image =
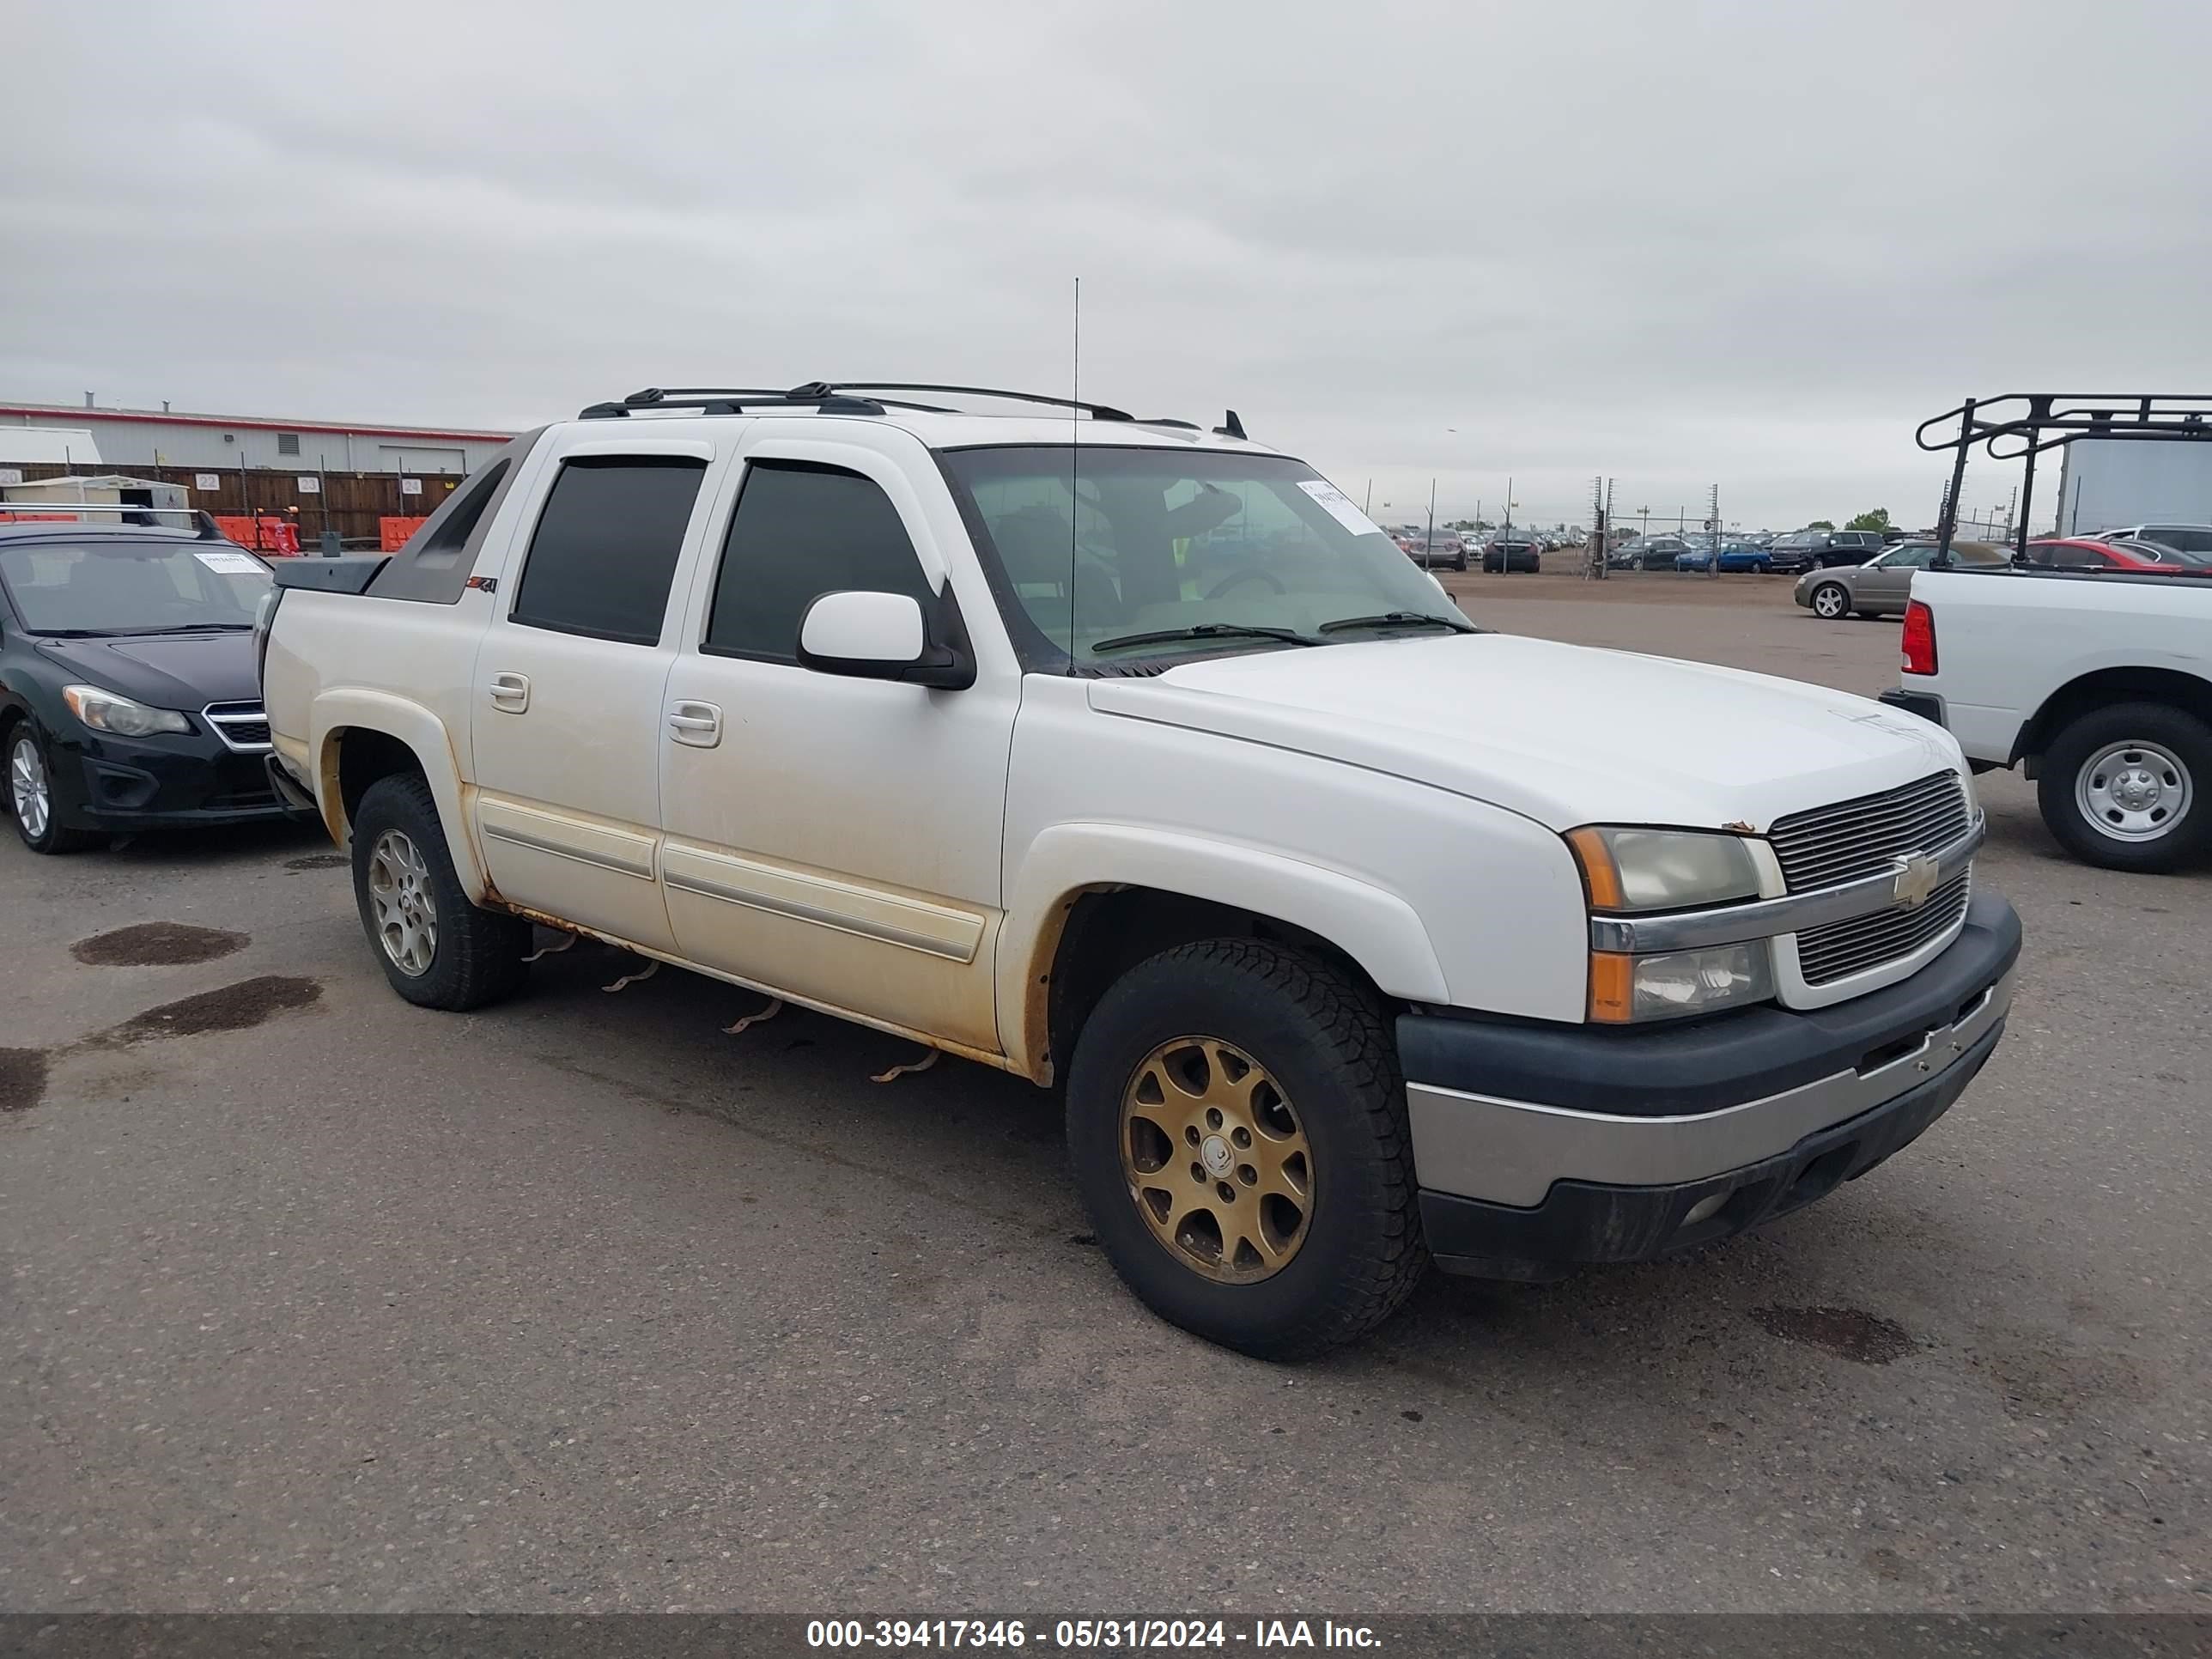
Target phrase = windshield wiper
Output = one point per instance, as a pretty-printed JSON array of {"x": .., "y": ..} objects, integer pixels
[
  {"x": 197, "y": 627},
  {"x": 1207, "y": 631},
  {"x": 1399, "y": 619}
]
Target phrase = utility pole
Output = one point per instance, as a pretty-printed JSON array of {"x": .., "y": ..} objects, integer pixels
[
  {"x": 1601, "y": 541},
  {"x": 1368, "y": 505},
  {"x": 1713, "y": 524},
  {"x": 1428, "y": 541}
]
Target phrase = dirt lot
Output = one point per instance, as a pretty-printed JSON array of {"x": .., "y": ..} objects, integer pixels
[
  {"x": 1741, "y": 621},
  {"x": 317, "y": 1301}
]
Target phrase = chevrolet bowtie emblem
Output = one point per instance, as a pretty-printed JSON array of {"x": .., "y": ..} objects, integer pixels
[{"x": 1915, "y": 880}]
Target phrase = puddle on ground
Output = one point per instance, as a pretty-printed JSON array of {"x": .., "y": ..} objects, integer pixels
[
  {"x": 233, "y": 1008},
  {"x": 157, "y": 944},
  {"x": 22, "y": 1078},
  {"x": 1847, "y": 1332}
]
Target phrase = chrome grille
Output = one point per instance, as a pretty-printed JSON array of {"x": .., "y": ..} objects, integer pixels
[
  {"x": 241, "y": 725},
  {"x": 1854, "y": 839},
  {"x": 1844, "y": 948}
]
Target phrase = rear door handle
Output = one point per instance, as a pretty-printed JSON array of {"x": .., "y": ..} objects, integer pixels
[
  {"x": 698, "y": 724},
  {"x": 510, "y": 693}
]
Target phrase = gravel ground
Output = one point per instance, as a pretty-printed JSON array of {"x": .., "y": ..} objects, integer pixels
[{"x": 315, "y": 1301}]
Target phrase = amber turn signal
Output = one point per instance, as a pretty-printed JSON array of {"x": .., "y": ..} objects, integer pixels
[
  {"x": 1600, "y": 877},
  {"x": 1612, "y": 988}
]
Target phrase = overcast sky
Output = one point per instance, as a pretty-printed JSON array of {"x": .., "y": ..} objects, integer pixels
[{"x": 1681, "y": 243}]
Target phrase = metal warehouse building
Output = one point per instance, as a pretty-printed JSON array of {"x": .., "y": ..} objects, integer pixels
[
  {"x": 141, "y": 438},
  {"x": 359, "y": 481}
]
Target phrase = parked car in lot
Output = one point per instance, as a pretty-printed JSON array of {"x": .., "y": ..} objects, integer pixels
[
  {"x": 877, "y": 710},
  {"x": 1733, "y": 555},
  {"x": 1882, "y": 585},
  {"x": 2182, "y": 537},
  {"x": 127, "y": 693},
  {"x": 1510, "y": 550},
  {"x": 1652, "y": 553},
  {"x": 1808, "y": 549},
  {"x": 2102, "y": 553},
  {"x": 1439, "y": 547},
  {"x": 2098, "y": 685}
]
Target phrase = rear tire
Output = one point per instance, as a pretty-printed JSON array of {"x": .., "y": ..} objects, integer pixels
[
  {"x": 437, "y": 949},
  {"x": 1338, "y": 1216},
  {"x": 2123, "y": 787}
]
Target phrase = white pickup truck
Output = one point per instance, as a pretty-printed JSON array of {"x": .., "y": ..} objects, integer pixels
[
  {"x": 1132, "y": 759},
  {"x": 2097, "y": 683}
]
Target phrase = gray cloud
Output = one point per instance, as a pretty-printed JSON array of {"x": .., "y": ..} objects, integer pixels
[{"x": 1744, "y": 244}]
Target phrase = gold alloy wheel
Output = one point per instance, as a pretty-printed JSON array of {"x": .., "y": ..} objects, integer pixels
[{"x": 1217, "y": 1162}]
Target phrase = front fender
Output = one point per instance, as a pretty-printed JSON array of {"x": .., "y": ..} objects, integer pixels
[
  {"x": 334, "y": 712},
  {"x": 1376, "y": 929}
]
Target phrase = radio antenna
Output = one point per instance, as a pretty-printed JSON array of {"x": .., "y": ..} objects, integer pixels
[{"x": 1075, "y": 448}]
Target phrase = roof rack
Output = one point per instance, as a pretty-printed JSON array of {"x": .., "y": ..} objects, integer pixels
[
  {"x": 2018, "y": 426},
  {"x": 859, "y": 398},
  {"x": 202, "y": 524}
]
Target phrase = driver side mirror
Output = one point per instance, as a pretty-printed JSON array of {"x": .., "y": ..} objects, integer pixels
[{"x": 878, "y": 636}]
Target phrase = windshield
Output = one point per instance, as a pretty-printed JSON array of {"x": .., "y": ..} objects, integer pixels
[
  {"x": 131, "y": 587},
  {"x": 1152, "y": 541}
]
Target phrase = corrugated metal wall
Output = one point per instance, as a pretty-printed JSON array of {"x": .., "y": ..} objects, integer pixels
[{"x": 129, "y": 445}]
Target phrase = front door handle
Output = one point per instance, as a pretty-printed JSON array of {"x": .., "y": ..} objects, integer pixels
[
  {"x": 698, "y": 724},
  {"x": 510, "y": 693}
]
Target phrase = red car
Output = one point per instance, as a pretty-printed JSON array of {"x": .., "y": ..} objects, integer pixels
[{"x": 2086, "y": 553}]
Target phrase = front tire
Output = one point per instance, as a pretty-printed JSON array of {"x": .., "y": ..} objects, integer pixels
[
  {"x": 2123, "y": 787},
  {"x": 31, "y": 798},
  {"x": 1830, "y": 601},
  {"x": 1236, "y": 1122},
  {"x": 437, "y": 949}
]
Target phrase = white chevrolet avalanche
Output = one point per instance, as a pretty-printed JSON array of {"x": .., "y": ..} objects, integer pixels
[{"x": 1130, "y": 758}]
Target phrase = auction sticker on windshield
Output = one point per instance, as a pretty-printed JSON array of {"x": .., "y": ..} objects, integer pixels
[
  {"x": 1338, "y": 505},
  {"x": 229, "y": 564}
]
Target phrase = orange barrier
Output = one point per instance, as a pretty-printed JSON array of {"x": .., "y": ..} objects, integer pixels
[
  {"x": 276, "y": 536},
  {"x": 392, "y": 533}
]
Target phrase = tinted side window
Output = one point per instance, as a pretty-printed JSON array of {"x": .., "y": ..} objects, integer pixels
[
  {"x": 801, "y": 531},
  {"x": 604, "y": 550}
]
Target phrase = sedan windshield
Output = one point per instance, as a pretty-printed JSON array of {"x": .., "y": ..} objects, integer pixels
[
  {"x": 132, "y": 586},
  {"x": 1108, "y": 553}
]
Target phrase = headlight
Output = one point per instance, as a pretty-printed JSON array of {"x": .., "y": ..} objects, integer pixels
[
  {"x": 1679, "y": 983},
  {"x": 104, "y": 711},
  {"x": 1627, "y": 871},
  {"x": 1663, "y": 869}
]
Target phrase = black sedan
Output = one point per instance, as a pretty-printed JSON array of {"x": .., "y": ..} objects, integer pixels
[
  {"x": 1509, "y": 553},
  {"x": 128, "y": 692}
]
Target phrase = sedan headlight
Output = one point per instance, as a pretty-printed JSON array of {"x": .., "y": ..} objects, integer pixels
[
  {"x": 105, "y": 711},
  {"x": 1628, "y": 870}
]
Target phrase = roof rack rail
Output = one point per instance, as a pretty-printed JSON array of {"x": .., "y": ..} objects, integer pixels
[
  {"x": 2018, "y": 426},
  {"x": 1096, "y": 411},
  {"x": 859, "y": 398}
]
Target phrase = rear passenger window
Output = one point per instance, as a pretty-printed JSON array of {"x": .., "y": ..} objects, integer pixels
[
  {"x": 604, "y": 550},
  {"x": 800, "y": 530}
]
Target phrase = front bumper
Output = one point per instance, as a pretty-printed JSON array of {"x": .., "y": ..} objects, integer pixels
[
  {"x": 1540, "y": 1147},
  {"x": 123, "y": 784}
]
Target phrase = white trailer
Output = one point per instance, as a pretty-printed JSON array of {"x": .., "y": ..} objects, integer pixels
[{"x": 2109, "y": 482}]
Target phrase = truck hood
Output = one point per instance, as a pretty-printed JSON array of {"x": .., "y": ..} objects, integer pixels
[{"x": 1563, "y": 734}]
